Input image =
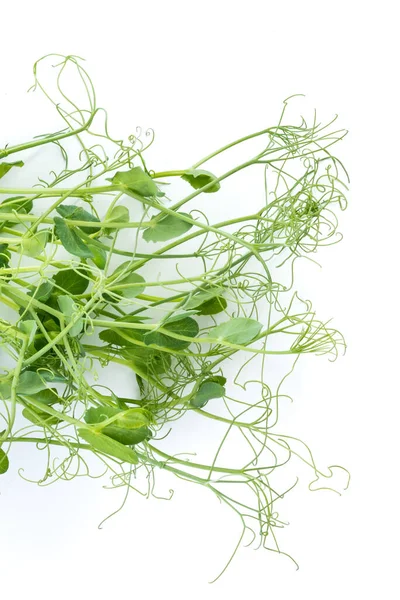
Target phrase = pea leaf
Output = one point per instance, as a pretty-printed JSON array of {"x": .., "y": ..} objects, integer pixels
[
  {"x": 28, "y": 327},
  {"x": 34, "y": 245},
  {"x": 4, "y": 462},
  {"x": 18, "y": 204},
  {"x": 203, "y": 296},
  {"x": 4, "y": 256},
  {"x": 213, "y": 306},
  {"x": 106, "y": 445},
  {"x": 119, "y": 214},
  {"x": 129, "y": 286},
  {"x": 77, "y": 213},
  {"x": 71, "y": 281},
  {"x": 43, "y": 292},
  {"x": 236, "y": 331},
  {"x": 47, "y": 396},
  {"x": 29, "y": 382},
  {"x": 100, "y": 413},
  {"x": 135, "y": 180},
  {"x": 128, "y": 437},
  {"x": 167, "y": 228},
  {"x": 208, "y": 390},
  {"x": 40, "y": 418},
  {"x": 69, "y": 308},
  {"x": 198, "y": 178},
  {"x": 70, "y": 239},
  {"x": 5, "y": 167},
  {"x": 186, "y": 326}
]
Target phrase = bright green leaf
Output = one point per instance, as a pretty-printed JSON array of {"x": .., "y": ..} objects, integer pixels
[
  {"x": 28, "y": 327},
  {"x": 213, "y": 306},
  {"x": 4, "y": 462},
  {"x": 5, "y": 167},
  {"x": 129, "y": 286},
  {"x": 203, "y": 296},
  {"x": 35, "y": 245},
  {"x": 167, "y": 228},
  {"x": 198, "y": 178},
  {"x": 38, "y": 417},
  {"x": 43, "y": 292},
  {"x": 106, "y": 445},
  {"x": 135, "y": 180},
  {"x": 69, "y": 308},
  {"x": 4, "y": 256},
  {"x": 119, "y": 214},
  {"x": 236, "y": 331},
  {"x": 99, "y": 256}
]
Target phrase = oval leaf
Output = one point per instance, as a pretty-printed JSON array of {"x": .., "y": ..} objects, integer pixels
[
  {"x": 207, "y": 391},
  {"x": 135, "y": 180},
  {"x": 4, "y": 462},
  {"x": 236, "y": 331},
  {"x": 198, "y": 178},
  {"x": 71, "y": 281},
  {"x": 129, "y": 286},
  {"x": 77, "y": 213},
  {"x": 167, "y": 228},
  {"x": 106, "y": 445},
  {"x": 186, "y": 326},
  {"x": 70, "y": 239}
]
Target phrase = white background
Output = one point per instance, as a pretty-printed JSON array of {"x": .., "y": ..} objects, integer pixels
[{"x": 201, "y": 74}]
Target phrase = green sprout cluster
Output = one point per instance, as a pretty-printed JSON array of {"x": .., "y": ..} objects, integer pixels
[{"x": 172, "y": 296}]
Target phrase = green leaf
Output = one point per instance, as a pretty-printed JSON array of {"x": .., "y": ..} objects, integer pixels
[
  {"x": 119, "y": 214},
  {"x": 127, "y": 286},
  {"x": 38, "y": 417},
  {"x": 213, "y": 306},
  {"x": 135, "y": 180},
  {"x": 5, "y": 167},
  {"x": 167, "y": 228},
  {"x": 100, "y": 413},
  {"x": 236, "y": 331},
  {"x": 186, "y": 326},
  {"x": 4, "y": 256},
  {"x": 71, "y": 281},
  {"x": 43, "y": 292},
  {"x": 28, "y": 327},
  {"x": 29, "y": 382},
  {"x": 69, "y": 308},
  {"x": 99, "y": 256},
  {"x": 47, "y": 396},
  {"x": 77, "y": 213},
  {"x": 208, "y": 390},
  {"x": 128, "y": 437},
  {"x": 17, "y": 204},
  {"x": 106, "y": 445},
  {"x": 4, "y": 462},
  {"x": 198, "y": 178},
  {"x": 70, "y": 239},
  {"x": 203, "y": 296},
  {"x": 35, "y": 245}
]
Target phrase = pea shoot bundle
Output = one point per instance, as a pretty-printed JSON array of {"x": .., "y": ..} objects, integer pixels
[{"x": 102, "y": 270}]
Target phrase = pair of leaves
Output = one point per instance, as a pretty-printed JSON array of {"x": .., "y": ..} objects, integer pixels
[
  {"x": 211, "y": 388},
  {"x": 236, "y": 331},
  {"x": 186, "y": 326}
]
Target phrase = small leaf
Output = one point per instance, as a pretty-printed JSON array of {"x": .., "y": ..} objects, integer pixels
[
  {"x": 106, "y": 445},
  {"x": 203, "y": 296},
  {"x": 4, "y": 256},
  {"x": 119, "y": 214},
  {"x": 35, "y": 245},
  {"x": 5, "y": 167},
  {"x": 4, "y": 462},
  {"x": 128, "y": 437},
  {"x": 40, "y": 418},
  {"x": 43, "y": 292},
  {"x": 135, "y": 180},
  {"x": 76, "y": 213},
  {"x": 208, "y": 390},
  {"x": 133, "y": 418},
  {"x": 69, "y": 308},
  {"x": 167, "y": 228},
  {"x": 198, "y": 178},
  {"x": 186, "y": 326},
  {"x": 100, "y": 413},
  {"x": 28, "y": 327},
  {"x": 29, "y": 382},
  {"x": 70, "y": 239},
  {"x": 18, "y": 204},
  {"x": 47, "y": 396},
  {"x": 128, "y": 286},
  {"x": 213, "y": 306},
  {"x": 236, "y": 331},
  {"x": 71, "y": 281},
  {"x": 99, "y": 256}
]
